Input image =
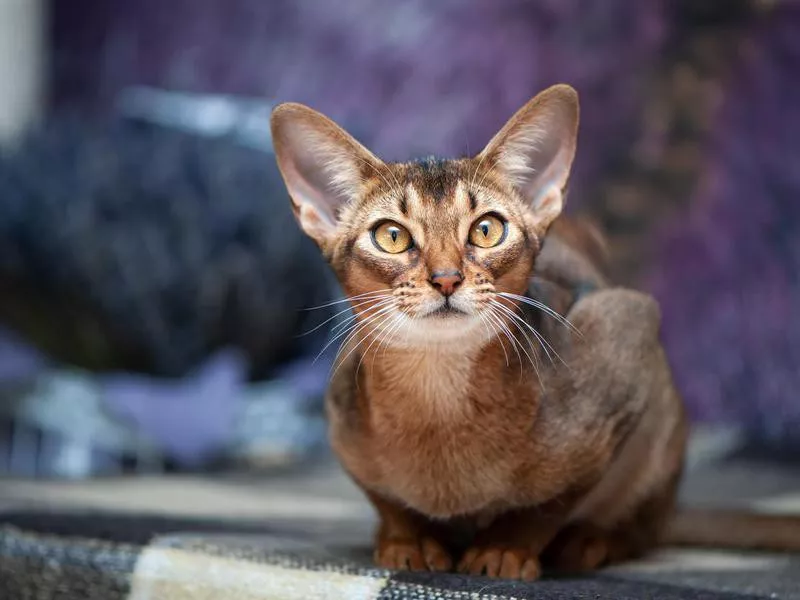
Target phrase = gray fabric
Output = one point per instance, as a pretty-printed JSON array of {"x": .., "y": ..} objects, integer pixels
[{"x": 258, "y": 566}]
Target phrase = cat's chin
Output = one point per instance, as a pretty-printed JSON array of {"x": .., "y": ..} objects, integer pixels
[
  {"x": 447, "y": 311},
  {"x": 442, "y": 328}
]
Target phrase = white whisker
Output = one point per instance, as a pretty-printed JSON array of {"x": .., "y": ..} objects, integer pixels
[
  {"x": 494, "y": 333},
  {"x": 517, "y": 320},
  {"x": 385, "y": 325},
  {"x": 359, "y": 328},
  {"x": 338, "y": 314},
  {"x": 493, "y": 308},
  {"x": 353, "y": 327},
  {"x": 543, "y": 307},
  {"x": 354, "y": 316},
  {"x": 477, "y": 168},
  {"x": 546, "y": 346},
  {"x": 391, "y": 333},
  {"x": 349, "y": 299},
  {"x": 485, "y": 174}
]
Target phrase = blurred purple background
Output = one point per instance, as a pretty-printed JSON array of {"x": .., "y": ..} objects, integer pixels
[
  {"x": 409, "y": 78},
  {"x": 728, "y": 269},
  {"x": 689, "y": 139}
]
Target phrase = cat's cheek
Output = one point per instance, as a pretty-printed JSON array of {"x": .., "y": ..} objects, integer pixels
[
  {"x": 383, "y": 269},
  {"x": 414, "y": 258},
  {"x": 515, "y": 281},
  {"x": 504, "y": 259}
]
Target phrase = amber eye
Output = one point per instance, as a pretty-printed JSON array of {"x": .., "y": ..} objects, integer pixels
[
  {"x": 391, "y": 237},
  {"x": 488, "y": 231}
]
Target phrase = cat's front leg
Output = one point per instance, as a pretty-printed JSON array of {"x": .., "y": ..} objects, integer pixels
[
  {"x": 407, "y": 541},
  {"x": 510, "y": 546}
]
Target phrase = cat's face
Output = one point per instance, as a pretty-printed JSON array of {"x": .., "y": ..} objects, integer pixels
[
  {"x": 428, "y": 250},
  {"x": 441, "y": 244}
]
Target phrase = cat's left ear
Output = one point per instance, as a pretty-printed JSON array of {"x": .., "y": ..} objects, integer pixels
[
  {"x": 322, "y": 165},
  {"x": 534, "y": 151}
]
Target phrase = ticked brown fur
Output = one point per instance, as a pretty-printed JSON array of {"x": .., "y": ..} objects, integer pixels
[{"x": 529, "y": 415}]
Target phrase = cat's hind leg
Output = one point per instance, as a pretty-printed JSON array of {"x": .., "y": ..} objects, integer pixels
[{"x": 584, "y": 546}]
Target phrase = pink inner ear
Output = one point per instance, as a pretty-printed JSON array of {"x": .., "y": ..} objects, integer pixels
[
  {"x": 536, "y": 147},
  {"x": 308, "y": 163},
  {"x": 321, "y": 166},
  {"x": 548, "y": 204},
  {"x": 320, "y": 162},
  {"x": 320, "y": 228},
  {"x": 538, "y": 157}
]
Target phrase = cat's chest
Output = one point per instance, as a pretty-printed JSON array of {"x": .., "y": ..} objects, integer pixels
[
  {"x": 446, "y": 471},
  {"x": 447, "y": 456},
  {"x": 438, "y": 437}
]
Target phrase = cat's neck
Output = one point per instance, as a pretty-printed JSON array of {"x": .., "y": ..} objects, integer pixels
[
  {"x": 435, "y": 380},
  {"x": 433, "y": 383}
]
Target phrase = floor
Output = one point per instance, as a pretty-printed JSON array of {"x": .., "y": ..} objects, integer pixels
[
  {"x": 323, "y": 491},
  {"x": 322, "y": 499}
]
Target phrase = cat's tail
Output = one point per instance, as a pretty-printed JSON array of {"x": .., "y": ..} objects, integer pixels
[{"x": 733, "y": 529}]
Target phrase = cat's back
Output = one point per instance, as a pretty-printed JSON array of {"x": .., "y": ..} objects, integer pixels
[{"x": 574, "y": 254}]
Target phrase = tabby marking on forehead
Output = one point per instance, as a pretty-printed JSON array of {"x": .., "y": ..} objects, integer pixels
[
  {"x": 435, "y": 173},
  {"x": 413, "y": 199},
  {"x": 462, "y": 197}
]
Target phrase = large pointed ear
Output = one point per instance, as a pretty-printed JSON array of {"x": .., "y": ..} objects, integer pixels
[
  {"x": 533, "y": 152},
  {"x": 322, "y": 165}
]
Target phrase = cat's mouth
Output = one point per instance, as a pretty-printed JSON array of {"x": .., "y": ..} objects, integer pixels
[{"x": 446, "y": 310}]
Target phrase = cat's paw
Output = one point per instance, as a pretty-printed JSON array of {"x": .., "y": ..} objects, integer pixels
[
  {"x": 579, "y": 550},
  {"x": 412, "y": 554},
  {"x": 508, "y": 562}
]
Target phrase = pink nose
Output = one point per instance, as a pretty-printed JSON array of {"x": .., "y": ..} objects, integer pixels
[{"x": 446, "y": 282}]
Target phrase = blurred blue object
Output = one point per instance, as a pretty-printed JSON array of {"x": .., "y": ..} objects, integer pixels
[
  {"x": 245, "y": 120},
  {"x": 156, "y": 285},
  {"x": 69, "y": 423},
  {"x": 132, "y": 247}
]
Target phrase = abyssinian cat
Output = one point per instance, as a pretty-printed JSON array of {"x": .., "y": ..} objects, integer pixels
[{"x": 499, "y": 402}]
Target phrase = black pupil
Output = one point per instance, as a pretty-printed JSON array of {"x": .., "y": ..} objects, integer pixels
[
  {"x": 485, "y": 228},
  {"x": 394, "y": 233}
]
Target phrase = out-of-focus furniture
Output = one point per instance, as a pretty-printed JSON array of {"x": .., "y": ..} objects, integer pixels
[{"x": 22, "y": 65}]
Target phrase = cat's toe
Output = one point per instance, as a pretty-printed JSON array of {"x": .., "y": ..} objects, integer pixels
[
  {"x": 409, "y": 554},
  {"x": 499, "y": 561}
]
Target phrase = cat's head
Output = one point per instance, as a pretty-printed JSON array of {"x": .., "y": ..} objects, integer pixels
[{"x": 429, "y": 246}]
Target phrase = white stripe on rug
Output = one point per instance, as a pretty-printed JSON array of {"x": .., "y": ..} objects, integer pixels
[{"x": 173, "y": 574}]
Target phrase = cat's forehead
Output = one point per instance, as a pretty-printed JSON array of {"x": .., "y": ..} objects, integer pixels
[
  {"x": 433, "y": 179},
  {"x": 432, "y": 189}
]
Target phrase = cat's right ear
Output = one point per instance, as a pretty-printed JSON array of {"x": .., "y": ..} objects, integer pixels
[
  {"x": 322, "y": 165},
  {"x": 534, "y": 151}
]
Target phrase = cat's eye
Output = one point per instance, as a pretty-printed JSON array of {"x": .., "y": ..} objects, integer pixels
[
  {"x": 391, "y": 237},
  {"x": 487, "y": 232}
]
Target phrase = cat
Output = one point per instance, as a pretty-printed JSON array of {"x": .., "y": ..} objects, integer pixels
[{"x": 501, "y": 404}]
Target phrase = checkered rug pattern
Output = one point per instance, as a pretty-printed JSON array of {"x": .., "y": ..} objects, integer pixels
[{"x": 191, "y": 560}]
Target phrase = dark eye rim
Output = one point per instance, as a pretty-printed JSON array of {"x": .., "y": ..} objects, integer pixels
[
  {"x": 375, "y": 243},
  {"x": 503, "y": 237}
]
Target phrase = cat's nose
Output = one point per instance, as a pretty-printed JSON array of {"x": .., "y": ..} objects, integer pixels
[{"x": 446, "y": 282}]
